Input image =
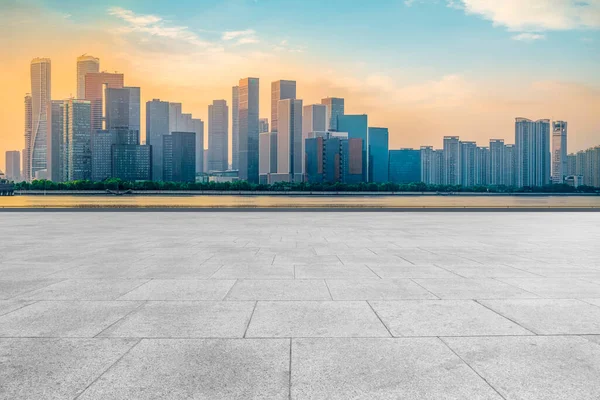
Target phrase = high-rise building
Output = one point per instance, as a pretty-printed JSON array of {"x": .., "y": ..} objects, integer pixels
[
  {"x": 591, "y": 174},
  {"x": 510, "y": 165},
  {"x": 218, "y": 136},
  {"x": 332, "y": 157},
  {"x": 314, "y": 119},
  {"x": 101, "y": 145},
  {"x": 76, "y": 160},
  {"x": 405, "y": 166},
  {"x": 532, "y": 143},
  {"x": 280, "y": 90},
  {"x": 179, "y": 157},
  {"x": 13, "y": 165},
  {"x": 198, "y": 129},
  {"x": 572, "y": 164},
  {"x": 235, "y": 127},
  {"x": 248, "y": 143},
  {"x": 157, "y": 125},
  {"x": 559, "y": 151},
  {"x": 263, "y": 125},
  {"x": 467, "y": 164},
  {"x": 131, "y": 162},
  {"x": 56, "y": 141},
  {"x": 28, "y": 143},
  {"x": 581, "y": 163},
  {"x": 175, "y": 117},
  {"x": 352, "y": 159},
  {"x": 357, "y": 128},
  {"x": 85, "y": 65},
  {"x": 134, "y": 108},
  {"x": 95, "y": 84},
  {"x": 122, "y": 108},
  {"x": 40, "y": 102},
  {"x": 427, "y": 165},
  {"x": 482, "y": 166},
  {"x": 497, "y": 159},
  {"x": 335, "y": 108},
  {"x": 290, "y": 150},
  {"x": 452, "y": 173},
  {"x": 378, "y": 155},
  {"x": 264, "y": 162},
  {"x": 438, "y": 167}
]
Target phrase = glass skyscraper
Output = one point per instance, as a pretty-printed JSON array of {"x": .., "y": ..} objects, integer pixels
[
  {"x": 218, "y": 136},
  {"x": 378, "y": 155},
  {"x": 405, "y": 166},
  {"x": 357, "y": 128},
  {"x": 248, "y": 144},
  {"x": 40, "y": 101},
  {"x": 85, "y": 65},
  {"x": 335, "y": 108},
  {"x": 157, "y": 125},
  {"x": 280, "y": 90}
]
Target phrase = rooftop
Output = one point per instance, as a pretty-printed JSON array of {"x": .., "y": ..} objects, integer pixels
[{"x": 278, "y": 305}]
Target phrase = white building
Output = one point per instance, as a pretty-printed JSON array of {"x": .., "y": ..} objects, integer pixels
[
  {"x": 532, "y": 145},
  {"x": 559, "y": 152}
]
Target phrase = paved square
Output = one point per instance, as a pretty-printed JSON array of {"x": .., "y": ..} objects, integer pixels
[{"x": 300, "y": 305}]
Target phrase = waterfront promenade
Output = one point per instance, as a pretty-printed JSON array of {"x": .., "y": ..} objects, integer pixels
[{"x": 307, "y": 305}]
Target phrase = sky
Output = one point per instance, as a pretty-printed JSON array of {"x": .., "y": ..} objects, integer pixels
[{"x": 422, "y": 68}]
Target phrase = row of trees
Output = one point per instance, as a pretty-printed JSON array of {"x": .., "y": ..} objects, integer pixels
[{"x": 118, "y": 184}]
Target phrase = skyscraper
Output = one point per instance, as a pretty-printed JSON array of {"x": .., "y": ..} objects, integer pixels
[
  {"x": 13, "y": 165},
  {"x": 532, "y": 142},
  {"x": 559, "y": 151},
  {"x": 438, "y": 167},
  {"x": 27, "y": 134},
  {"x": 248, "y": 143},
  {"x": 335, "y": 108},
  {"x": 218, "y": 136},
  {"x": 235, "y": 127},
  {"x": 280, "y": 90},
  {"x": 451, "y": 160},
  {"x": 77, "y": 158},
  {"x": 56, "y": 141},
  {"x": 510, "y": 165},
  {"x": 263, "y": 125},
  {"x": 85, "y": 65},
  {"x": 122, "y": 108},
  {"x": 357, "y": 128},
  {"x": 95, "y": 83},
  {"x": 175, "y": 119},
  {"x": 378, "y": 155},
  {"x": 157, "y": 125},
  {"x": 40, "y": 101},
  {"x": 482, "y": 166},
  {"x": 179, "y": 157},
  {"x": 467, "y": 163},
  {"x": 314, "y": 119},
  {"x": 405, "y": 166},
  {"x": 290, "y": 150},
  {"x": 427, "y": 165},
  {"x": 198, "y": 129},
  {"x": 497, "y": 160}
]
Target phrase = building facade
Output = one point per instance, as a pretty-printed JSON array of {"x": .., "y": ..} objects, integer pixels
[
  {"x": 218, "y": 136},
  {"x": 248, "y": 143},
  {"x": 482, "y": 166},
  {"x": 85, "y": 65},
  {"x": 26, "y": 170},
  {"x": 378, "y": 155},
  {"x": 235, "y": 127},
  {"x": 532, "y": 145},
  {"x": 77, "y": 156},
  {"x": 280, "y": 90},
  {"x": 13, "y": 165},
  {"x": 405, "y": 166},
  {"x": 157, "y": 125},
  {"x": 179, "y": 157},
  {"x": 56, "y": 141},
  {"x": 95, "y": 84},
  {"x": 497, "y": 160},
  {"x": 290, "y": 149},
  {"x": 357, "y": 127},
  {"x": 451, "y": 153},
  {"x": 40, "y": 102},
  {"x": 335, "y": 108},
  {"x": 468, "y": 152},
  {"x": 263, "y": 125},
  {"x": 560, "y": 167}
]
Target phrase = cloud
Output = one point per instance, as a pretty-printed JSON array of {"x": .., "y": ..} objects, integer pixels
[
  {"x": 528, "y": 37},
  {"x": 230, "y": 35},
  {"x": 536, "y": 15}
]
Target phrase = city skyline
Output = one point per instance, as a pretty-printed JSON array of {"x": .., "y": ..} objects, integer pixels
[{"x": 417, "y": 97}]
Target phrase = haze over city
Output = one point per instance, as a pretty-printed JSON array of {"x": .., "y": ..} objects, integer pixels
[{"x": 424, "y": 69}]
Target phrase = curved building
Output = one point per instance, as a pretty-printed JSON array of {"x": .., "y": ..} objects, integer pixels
[{"x": 40, "y": 101}]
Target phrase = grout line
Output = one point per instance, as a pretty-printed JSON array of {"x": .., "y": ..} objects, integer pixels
[
  {"x": 329, "y": 290},
  {"x": 142, "y": 303},
  {"x": 16, "y": 297},
  {"x": 472, "y": 369},
  {"x": 32, "y": 302},
  {"x": 428, "y": 291},
  {"x": 380, "y": 320},
  {"x": 107, "y": 369},
  {"x": 250, "y": 319},
  {"x": 137, "y": 287},
  {"x": 504, "y": 316},
  {"x": 229, "y": 291},
  {"x": 290, "y": 377},
  {"x": 371, "y": 269}
]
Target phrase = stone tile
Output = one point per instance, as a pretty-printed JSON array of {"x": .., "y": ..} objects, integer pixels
[
  {"x": 23, "y": 270},
  {"x": 415, "y": 271},
  {"x": 383, "y": 289},
  {"x": 592, "y": 338},
  {"x": 118, "y": 270},
  {"x": 84, "y": 289},
  {"x": 550, "y": 316},
  {"x": 595, "y": 302},
  {"x": 556, "y": 287},
  {"x": 7, "y": 306},
  {"x": 173, "y": 319},
  {"x": 443, "y": 318},
  {"x": 534, "y": 367},
  {"x": 333, "y": 272},
  {"x": 490, "y": 271},
  {"x": 315, "y": 319},
  {"x": 160, "y": 289},
  {"x": 382, "y": 369},
  {"x": 279, "y": 290},
  {"x": 483, "y": 288},
  {"x": 32, "y": 369},
  {"x": 64, "y": 318},
  {"x": 12, "y": 288},
  {"x": 254, "y": 272},
  {"x": 198, "y": 369},
  {"x": 178, "y": 272}
]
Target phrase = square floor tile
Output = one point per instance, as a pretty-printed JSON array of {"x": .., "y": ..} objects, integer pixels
[
  {"x": 84, "y": 289},
  {"x": 334, "y": 272},
  {"x": 482, "y": 288},
  {"x": 372, "y": 289},
  {"x": 556, "y": 287},
  {"x": 179, "y": 289},
  {"x": 254, "y": 272},
  {"x": 279, "y": 290}
]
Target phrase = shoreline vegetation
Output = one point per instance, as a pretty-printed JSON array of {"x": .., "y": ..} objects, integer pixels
[{"x": 117, "y": 186}]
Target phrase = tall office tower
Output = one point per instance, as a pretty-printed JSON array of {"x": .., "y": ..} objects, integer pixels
[
  {"x": 405, "y": 166},
  {"x": 314, "y": 119},
  {"x": 378, "y": 155},
  {"x": 290, "y": 151},
  {"x": 95, "y": 84},
  {"x": 157, "y": 125},
  {"x": 122, "y": 108},
  {"x": 77, "y": 157},
  {"x": 580, "y": 163},
  {"x": 267, "y": 142},
  {"x": 335, "y": 108},
  {"x": 332, "y": 157},
  {"x": 357, "y": 128},
  {"x": 532, "y": 141},
  {"x": 572, "y": 164},
  {"x": 497, "y": 160},
  {"x": 13, "y": 165},
  {"x": 27, "y": 135},
  {"x": 510, "y": 165},
  {"x": 235, "y": 127},
  {"x": 40, "y": 101},
  {"x": 467, "y": 154},
  {"x": 56, "y": 141},
  {"x": 263, "y": 125},
  {"x": 198, "y": 129},
  {"x": 352, "y": 159},
  {"x": 134, "y": 108},
  {"x": 101, "y": 144},
  {"x": 85, "y": 65},
  {"x": 591, "y": 175},
  {"x": 452, "y": 173},
  {"x": 175, "y": 118},
  {"x": 559, "y": 151},
  {"x": 248, "y": 141},
  {"x": 280, "y": 90},
  {"x": 313, "y": 153},
  {"x": 218, "y": 135},
  {"x": 427, "y": 165},
  {"x": 116, "y": 153},
  {"x": 179, "y": 157},
  {"x": 482, "y": 166},
  {"x": 438, "y": 167}
]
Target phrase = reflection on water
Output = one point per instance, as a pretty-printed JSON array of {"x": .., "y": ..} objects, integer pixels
[{"x": 227, "y": 201}]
